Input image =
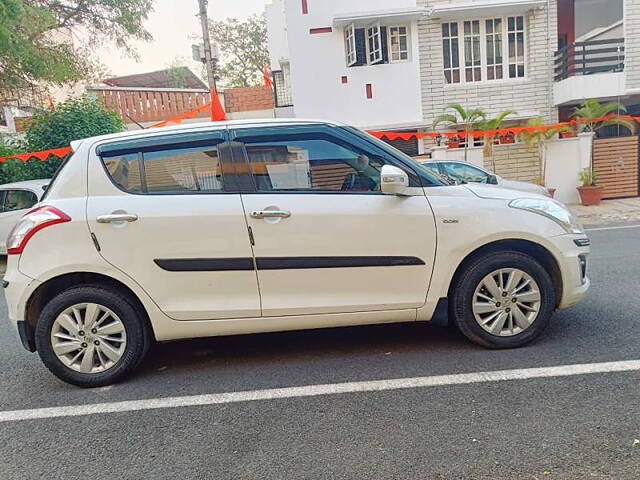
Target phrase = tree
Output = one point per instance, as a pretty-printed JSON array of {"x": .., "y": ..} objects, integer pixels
[
  {"x": 491, "y": 124},
  {"x": 589, "y": 116},
  {"x": 243, "y": 46},
  {"x": 538, "y": 140},
  {"x": 74, "y": 119},
  {"x": 461, "y": 116},
  {"x": 31, "y": 49}
]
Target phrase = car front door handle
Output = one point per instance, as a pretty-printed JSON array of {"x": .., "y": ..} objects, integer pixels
[
  {"x": 270, "y": 213},
  {"x": 117, "y": 217}
]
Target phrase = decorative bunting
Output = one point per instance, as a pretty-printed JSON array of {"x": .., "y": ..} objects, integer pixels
[{"x": 218, "y": 114}]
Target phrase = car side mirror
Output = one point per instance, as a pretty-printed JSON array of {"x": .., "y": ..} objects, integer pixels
[
  {"x": 393, "y": 181},
  {"x": 493, "y": 180}
]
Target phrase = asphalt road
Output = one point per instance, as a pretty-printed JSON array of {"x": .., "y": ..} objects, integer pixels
[{"x": 578, "y": 427}]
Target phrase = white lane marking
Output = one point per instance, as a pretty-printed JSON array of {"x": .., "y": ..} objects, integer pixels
[
  {"x": 621, "y": 227},
  {"x": 317, "y": 390}
]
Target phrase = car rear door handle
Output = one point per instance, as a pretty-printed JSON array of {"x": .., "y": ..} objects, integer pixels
[
  {"x": 270, "y": 213},
  {"x": 117, "y": 217}
]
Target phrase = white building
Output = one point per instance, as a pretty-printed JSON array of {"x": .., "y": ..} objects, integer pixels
[{"x": 395, "y": 65}]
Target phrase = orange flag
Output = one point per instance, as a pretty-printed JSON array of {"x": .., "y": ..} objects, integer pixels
[
  {"x": 267, "y": 77},
  {"x": 217, "y": 112}
]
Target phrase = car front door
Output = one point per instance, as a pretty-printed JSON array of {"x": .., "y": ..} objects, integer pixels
[
  {"x": 326, "y": 239},
  {"x": 163, "y": 212}
]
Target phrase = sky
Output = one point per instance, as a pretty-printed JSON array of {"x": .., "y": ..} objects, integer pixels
[{"x": 171, "y": 24}]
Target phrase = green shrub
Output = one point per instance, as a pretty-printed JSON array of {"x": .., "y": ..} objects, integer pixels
[{"x": 74, "y": 119}]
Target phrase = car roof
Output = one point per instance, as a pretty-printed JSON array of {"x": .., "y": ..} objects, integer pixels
[
  {"x": 28, "y": 184},
  {"x": 189, "y": 127}
]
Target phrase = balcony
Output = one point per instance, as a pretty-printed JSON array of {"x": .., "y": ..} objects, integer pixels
[{"x": 591, "y": 69}]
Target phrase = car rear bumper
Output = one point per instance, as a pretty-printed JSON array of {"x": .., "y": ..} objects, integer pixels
[{"x": 17, "y": 289}]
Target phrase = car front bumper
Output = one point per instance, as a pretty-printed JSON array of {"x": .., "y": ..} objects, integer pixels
[{"x": 572, "y": 258}]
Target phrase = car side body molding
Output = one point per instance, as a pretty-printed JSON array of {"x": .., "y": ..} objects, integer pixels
[{"x": 282, "y": 263}]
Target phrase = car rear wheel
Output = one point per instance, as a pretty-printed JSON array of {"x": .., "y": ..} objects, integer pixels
[
  {"x": 90, "y": 336},
  {"x": 503, "y": 300}
]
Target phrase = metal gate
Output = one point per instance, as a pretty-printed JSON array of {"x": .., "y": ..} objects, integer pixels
[{"x": 615, "y": 161}]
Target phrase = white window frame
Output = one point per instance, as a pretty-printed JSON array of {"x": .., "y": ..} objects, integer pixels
[
  {"x": 492, "y": 38},
  {"x": 472, "y": 37},
  {"x": 520, "y": 60},
  {"x": 451, "y": 69},
  {"x": 483, "y": 50},
  {"x": 350, "y": 45},
  {"x": 373, "y": 35},
  {"x": 399, "y": 36}
]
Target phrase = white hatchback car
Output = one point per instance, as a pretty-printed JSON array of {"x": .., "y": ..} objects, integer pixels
[
  {"x": 256, "y": 226},
  {"x": 16, "y": 199},
  {"x": 466, "y": 172}
]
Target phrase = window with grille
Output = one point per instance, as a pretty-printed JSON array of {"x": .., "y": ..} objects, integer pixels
[
  {"x": 451, "y": 52},
  {"x": 516, "y": 46},
  {"x": 492, "y": 49},
  {"x": 350, "y": 45},
  {"x": 493, "y": 28},
  {"x": 282, "y": 88},
  {"x": 398, "y": 43},
  {"x": 374, "y": 44}
]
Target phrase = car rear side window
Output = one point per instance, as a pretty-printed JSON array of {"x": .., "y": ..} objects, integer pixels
[{"x": 169, "y": 165}]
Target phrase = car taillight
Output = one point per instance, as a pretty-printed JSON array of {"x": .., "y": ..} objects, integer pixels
[{"x": 30, "y": 224}]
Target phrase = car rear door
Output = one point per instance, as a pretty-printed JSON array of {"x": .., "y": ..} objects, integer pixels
[
  {"x": 326, "y": 239},
  {"x": 164, "y": 212}
]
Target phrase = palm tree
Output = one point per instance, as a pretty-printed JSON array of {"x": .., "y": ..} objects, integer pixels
[
  {"x": 461, "y": 116},
  {"x": 589, "y": 116},
  {"x": 538, "y": 139},
  {"x": 491, "y": 124}
]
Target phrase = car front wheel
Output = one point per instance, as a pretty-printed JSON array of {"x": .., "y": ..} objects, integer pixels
[
  {"x": 503, "y": 300},
  {"x": 90, "y": 336}
]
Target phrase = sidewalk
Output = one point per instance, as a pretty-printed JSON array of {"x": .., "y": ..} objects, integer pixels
[{"x": 626, "y": 210}]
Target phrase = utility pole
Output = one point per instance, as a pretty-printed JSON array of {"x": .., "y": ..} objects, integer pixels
[{"x": 204, "y": 21}]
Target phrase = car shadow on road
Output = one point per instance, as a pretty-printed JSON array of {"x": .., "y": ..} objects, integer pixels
[{"x": 272, "y": 348}]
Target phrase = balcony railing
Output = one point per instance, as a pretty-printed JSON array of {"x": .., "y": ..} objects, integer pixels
[{"x": 587, "y": 58}]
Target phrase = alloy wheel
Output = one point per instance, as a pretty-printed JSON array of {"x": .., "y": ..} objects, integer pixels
[
  {"x": 88, "y": 338},
  {"x": 506, "y": 302}
]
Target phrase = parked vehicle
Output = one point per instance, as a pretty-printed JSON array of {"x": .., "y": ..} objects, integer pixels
[
  {"x": 16, "y": 200},
  {"x": 257, "y": 226},
  {"x": 467, "y": 173}
]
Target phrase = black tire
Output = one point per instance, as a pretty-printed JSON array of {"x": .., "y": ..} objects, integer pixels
[
  {"x": 461, "y": 299},
  {"x": 137, "y": 333}
]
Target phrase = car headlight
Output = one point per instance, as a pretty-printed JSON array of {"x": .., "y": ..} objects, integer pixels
[{"x": 551, "y": 209}]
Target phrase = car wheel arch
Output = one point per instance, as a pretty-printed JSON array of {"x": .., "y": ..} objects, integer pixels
[
  {"x": 535, "y": 250},
  {"x": 55, "y": 285}
]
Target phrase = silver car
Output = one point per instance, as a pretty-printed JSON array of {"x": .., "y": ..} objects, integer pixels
[{"x": 467, "y": 173}]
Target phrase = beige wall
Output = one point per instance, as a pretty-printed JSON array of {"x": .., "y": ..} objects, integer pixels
[
  {"x": 632, "y": 46},
  {"x": 532, "y": 94}
]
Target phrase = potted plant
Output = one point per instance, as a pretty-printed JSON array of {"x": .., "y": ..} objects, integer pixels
[
  {"x": 590, "y": 192},
  {"x": 592, "y": 116}
]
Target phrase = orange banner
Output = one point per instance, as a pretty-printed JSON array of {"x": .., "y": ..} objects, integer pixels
[{"x": 42, "y": 155}]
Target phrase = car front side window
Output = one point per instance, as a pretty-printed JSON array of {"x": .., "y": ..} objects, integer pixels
[{"x": 309, "y": 162}]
